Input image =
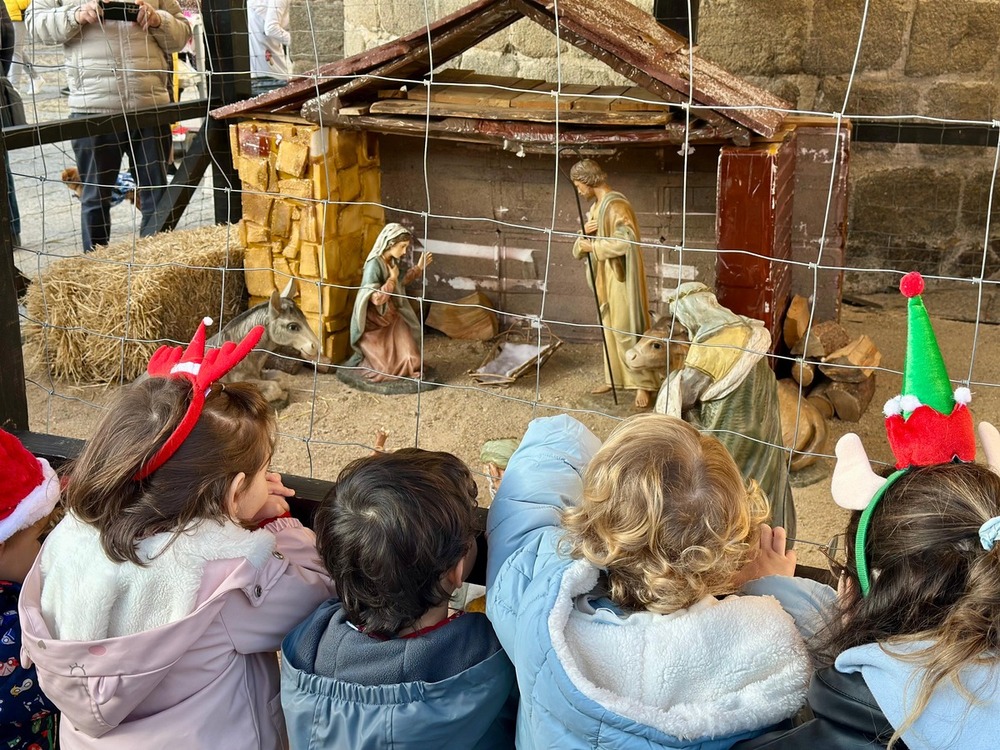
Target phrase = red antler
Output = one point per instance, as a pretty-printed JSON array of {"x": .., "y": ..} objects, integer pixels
[{"x": 202, "y": 369}]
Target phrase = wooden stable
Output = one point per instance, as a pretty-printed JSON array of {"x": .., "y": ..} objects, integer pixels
[{"x": 474, "y": 163}]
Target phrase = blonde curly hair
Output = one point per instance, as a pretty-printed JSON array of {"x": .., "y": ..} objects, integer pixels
[{"x": 666, "y": 513}]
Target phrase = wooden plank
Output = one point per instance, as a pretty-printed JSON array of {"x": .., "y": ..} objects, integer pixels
[
  {"x": 600, "y": 100},
  {"x": 495, "y": 91},
  {"x": 568, "y": 94},
  {"x": 541, "y": 137},
  {"x": 452, "y": 75},
  {"x": 478, "y": 111},
  {"x": 647, "y": 102}
]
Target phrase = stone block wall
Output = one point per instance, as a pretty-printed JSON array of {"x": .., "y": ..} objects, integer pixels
[
  {"x": 911, "y": 206},
  {"x": 311, "y": 211}
]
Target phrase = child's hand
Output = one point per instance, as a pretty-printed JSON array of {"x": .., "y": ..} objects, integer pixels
[
  {"x": 276, "y": 488},
  {"x": 770, "y": 559}
]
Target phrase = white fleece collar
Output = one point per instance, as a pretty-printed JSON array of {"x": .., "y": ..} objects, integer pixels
[
  {"x": 714, "y": 670},
  {"x": 86, "y": 596}
]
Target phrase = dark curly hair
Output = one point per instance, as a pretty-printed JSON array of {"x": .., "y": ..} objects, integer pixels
[{"x": 389, "y": 530}]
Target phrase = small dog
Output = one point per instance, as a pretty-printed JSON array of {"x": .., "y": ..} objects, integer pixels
[{"x": 124, "y": 189}]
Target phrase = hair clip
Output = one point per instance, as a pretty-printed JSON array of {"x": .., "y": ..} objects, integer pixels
[
  {"x": 202, "y": 369},
  {"x": 989, "y": 533}
]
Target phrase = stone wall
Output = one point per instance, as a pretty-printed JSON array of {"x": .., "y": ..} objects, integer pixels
[
  {"x": 911, "y": 206},
  {"x": 317, "y": 28}
]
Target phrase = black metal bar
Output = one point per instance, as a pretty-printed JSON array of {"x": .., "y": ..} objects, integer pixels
[
  {"x": 13, "y": 399},
  {"x": 56, "y": 131},
  {"x": 929, "y": 134},
  {"x": 177, "y": 194},
  {"x": 674, "y": 15},
  {"x": 228, "y": 45},
  {"x": 308, "y": 494}
]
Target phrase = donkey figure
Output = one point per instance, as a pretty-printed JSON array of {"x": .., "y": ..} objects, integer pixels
[{"x": 285, "y": 327}]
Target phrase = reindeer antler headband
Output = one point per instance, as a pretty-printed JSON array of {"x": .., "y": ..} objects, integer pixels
[
  {"x": 202, "y": 369},
  {"x": 926, "y": 424}
]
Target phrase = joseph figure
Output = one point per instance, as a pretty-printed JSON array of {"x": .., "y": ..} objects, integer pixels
[{"x": 616, "y": 272}]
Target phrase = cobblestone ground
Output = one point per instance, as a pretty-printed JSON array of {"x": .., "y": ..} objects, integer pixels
[{"x": 50, "y": 213}]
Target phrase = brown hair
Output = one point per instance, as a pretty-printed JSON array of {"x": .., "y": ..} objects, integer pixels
[
  {"x": 390, "y": 528},
  {"x": 588, "y": 172},
  {"x": 235, "y": 433},
  {"x": 666, "y": 513},
  {"x": 931, "y": 578}
]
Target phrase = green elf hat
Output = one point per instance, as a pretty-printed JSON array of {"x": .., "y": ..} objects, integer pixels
[{"x": 926, "y": 424}]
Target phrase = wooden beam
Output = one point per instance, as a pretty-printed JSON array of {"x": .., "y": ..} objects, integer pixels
[
  {"x": 725, "y": 127},
  {"x": 57, "y": 131},
  {"x": 486, "y": 112}
]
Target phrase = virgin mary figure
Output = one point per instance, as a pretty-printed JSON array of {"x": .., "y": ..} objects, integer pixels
[{"x": 384, "y": 327}]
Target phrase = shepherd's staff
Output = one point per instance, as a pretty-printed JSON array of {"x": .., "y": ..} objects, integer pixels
[{"x": 593, "y": 285}]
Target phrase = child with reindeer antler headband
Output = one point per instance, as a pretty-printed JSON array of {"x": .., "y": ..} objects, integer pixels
[
  {"x": 914, "y": 648},
  {"x": 155, "y": 609}
]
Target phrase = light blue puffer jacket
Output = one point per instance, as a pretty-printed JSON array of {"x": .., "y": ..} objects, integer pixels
[{"x": 717, "y": 673}]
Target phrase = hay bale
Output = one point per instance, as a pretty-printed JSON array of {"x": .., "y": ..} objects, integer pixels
[{"x": 97, "y": 318}]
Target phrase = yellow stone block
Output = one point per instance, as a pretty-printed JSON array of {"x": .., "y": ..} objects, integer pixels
[
  {"x": 371, "y": 233},
  {"x": 292, "y": 157},
  {"x": 281, "y": 219},
  {"x": 257, "y": 271},
  {"x": 371, "y": 184},
  {"x": 337, "y": 346},
  {"x": 256, "y": 234},
  {"x": 291, "y": 248},
  {"x": 254, "y": 301},
  {"x": 234, "y": 144},
  {"x": 253, "y": 172},
  {"x": 309, "y": 260},
  {"x": 351, "y": 219},
  {"x": 297, "y": 188},
  {"x": 327, "y": 220},
  {"x": 344, "y": 147},
  {"x": 242, "y": 229},
  {"x": 349, "y": 180},
  {"x": 368, "y": 150},
  {"x": 323, "y": 175},
  {"x": 257, "y": 208},
  {"x": 282, "y": 271},
  {"x": 308, "y": 230},
  {"x": 344, "y": 260},
  {"x": 320, "y": 298}
]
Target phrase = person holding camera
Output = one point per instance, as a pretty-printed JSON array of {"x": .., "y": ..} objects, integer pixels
[{"x": 118, "y": 58}]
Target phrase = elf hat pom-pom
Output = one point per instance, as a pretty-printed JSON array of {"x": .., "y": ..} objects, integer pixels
[{"x": 30, "y": 489}]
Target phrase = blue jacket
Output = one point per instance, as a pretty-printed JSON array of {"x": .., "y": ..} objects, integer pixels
[
  {"x": 701, "y": 678},
  {"x": 451, "y": 687}
]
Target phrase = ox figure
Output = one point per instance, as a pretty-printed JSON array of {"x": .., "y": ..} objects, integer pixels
[{"x": 722, "y": 384}]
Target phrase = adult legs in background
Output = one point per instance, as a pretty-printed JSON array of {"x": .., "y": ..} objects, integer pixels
[
  {"x": 148, "y": 155},
  {"x": 98, "y": 158},
  {"x": 23, "y": 58}
]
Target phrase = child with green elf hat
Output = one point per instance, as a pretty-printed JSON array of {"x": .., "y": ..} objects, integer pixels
[{"x": 911, "y": 647}]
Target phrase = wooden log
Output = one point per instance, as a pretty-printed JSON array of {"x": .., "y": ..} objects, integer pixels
[
  {"x": 849, "y": 400},
  {"x": 853, "y": 363},
  {"x": 796, "y": 320},
  {"x": 803, "y": 372},
  {"x": 822, "y": 404},
  {"x": 824, "y": 339},
  {"x": 471, "y": 317}
]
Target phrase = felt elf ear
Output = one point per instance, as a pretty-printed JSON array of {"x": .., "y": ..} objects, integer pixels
[
  {"x": 854, "y": 483},
  {"x": 989, "y": 436}
]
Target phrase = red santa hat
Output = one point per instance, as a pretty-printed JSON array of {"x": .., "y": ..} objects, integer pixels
[{"x": 30, "y": 487}]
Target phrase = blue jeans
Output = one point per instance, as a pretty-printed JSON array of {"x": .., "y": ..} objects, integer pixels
[{"x": 99, "y": 158}]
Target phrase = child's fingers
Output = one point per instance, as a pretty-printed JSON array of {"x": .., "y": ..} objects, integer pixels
[
  {"x": 766, "y": 537},
  {"x": 779, "y": 539}
]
